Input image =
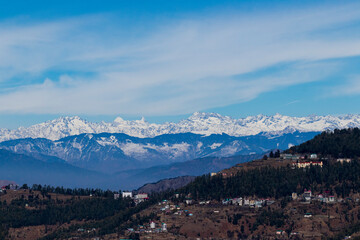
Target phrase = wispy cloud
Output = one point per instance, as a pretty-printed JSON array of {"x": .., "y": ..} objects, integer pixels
[
  {"x": 349, "y": 86},
  {"x": 182, "y": 66},
  {"x": 292, "y": 102}
]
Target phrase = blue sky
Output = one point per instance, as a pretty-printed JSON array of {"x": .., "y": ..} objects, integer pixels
[{"x": 167, "y": 59}]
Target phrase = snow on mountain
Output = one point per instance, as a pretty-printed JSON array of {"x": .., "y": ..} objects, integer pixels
[
  {"x": 199, "y": 123},
  {"x": 111, "y": 152}
]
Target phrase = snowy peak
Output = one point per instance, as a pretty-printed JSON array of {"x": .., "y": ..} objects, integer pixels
[
  {"x": 199, "y": 116},
  {"x": 199, "y": 123},
  {"x": 119, "y": 120}
]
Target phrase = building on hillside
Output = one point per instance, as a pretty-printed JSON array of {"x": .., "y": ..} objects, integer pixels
[
  {"x": 342, "y": 160},
  {"x": 152, "y": 225},
  {"x": 127, "y": 194},
  {"x": 259, "y": 203},
  {"x": 287, "y": 156},
  {"x": 294, "y": 196},
  {"x": 226, "y": 201},
  {"x": 142, "y": 196},
  {"x": 236, "y": 201},
  {"x": 213, "y": 174},
  {"x": 307, "y": 195},
  {"x": 320, "y": 197},
  {"x": 304, "y": 164},
  {"x": 164, "y": 227},
  {"x": 116, "y": 196},
  {"x": 10, "y": 186},
  {"x": 313, "y": 156}
]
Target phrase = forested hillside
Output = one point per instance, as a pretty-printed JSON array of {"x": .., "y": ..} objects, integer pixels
[
  {"x": 337, "y": 143},
  {"x": 72, "y": 208},
  {"x": 59, "y": 213},
  {"x": 278, "y": 182}
]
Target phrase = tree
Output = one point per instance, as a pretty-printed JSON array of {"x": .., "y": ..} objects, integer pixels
[
  {"x": 277, "y": 154},
  {"x": 271, "y": 155}
]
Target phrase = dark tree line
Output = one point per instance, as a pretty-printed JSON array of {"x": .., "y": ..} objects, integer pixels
[
  {"x": 14, "y": 216},
  {"x": 46, "y": 189}
]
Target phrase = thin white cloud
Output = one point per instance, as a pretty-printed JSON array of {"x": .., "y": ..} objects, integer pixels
[
  {"x": 350, "y": 86},
  {"x": 292, "y": 102},
  {"x": 184, "y": 66}
]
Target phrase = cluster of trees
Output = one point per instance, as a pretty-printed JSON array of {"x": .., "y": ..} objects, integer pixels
[
  {"x": 275, "y": 154},
  {"x": 87, "y": 209},
  {"x": 337, "y": 143},
  {"x": 272, "y": 154},
  {"x": 278, "y": 182},
  {"x": 46, "y": 189}
]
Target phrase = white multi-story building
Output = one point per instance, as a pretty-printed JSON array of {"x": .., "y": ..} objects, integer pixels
[{"x": 127, "y": 194}]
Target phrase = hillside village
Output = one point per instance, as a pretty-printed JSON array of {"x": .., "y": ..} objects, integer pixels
[
  {"x": 289, "y": 195},
  {"x": 302, "y": 211},
  {"x": 239, "y": 217}
]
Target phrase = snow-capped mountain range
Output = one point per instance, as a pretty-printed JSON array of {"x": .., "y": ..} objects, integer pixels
[
  {"x": 199, "y": 123},
  {"x": 112, "y": 152}
]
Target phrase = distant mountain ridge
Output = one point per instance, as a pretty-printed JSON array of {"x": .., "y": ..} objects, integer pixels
[
  {"x": 166, "y": 184},
  {"x": 112, "y": 152},
  {"x": 199, "y": 123},
  {"x": 26, "y": 169},
  {"x": 195, "y": 167}
]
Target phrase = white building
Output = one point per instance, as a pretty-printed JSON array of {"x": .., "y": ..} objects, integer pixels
[
  {"x": 142, "y": 196},
  {"x": 307, "y": 195},
  {"x": 152, "y": 225},
  {"x": 127, "y": 194},
  {"x": 163, "y": 227}
]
